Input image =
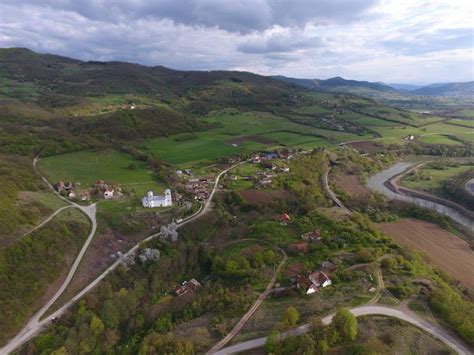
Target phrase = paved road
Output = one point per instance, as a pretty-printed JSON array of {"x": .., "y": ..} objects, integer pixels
[
  {"x": 35, "y": 325},
  {"x": 459, "y": 346},
  {"x": 251, "y": 311}
]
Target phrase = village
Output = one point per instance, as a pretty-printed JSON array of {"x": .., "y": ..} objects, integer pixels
[
  {"x": 189, "y": 187},
  {"x": 263, "y": 169}
]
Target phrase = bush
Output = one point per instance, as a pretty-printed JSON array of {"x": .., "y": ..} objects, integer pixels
[{"x": 346, "y": 324}]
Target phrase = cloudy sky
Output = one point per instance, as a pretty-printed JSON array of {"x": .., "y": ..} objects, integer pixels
[{"x": 407, "y": 41}]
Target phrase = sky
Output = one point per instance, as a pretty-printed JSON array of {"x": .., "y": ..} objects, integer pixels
[{"x": 391, "y": 41}]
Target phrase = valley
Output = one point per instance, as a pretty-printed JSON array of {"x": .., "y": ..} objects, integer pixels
[{"x": 274, "y": 221}]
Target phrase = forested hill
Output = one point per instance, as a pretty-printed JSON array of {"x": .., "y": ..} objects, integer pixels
[
  {"x": 383, "y": 91},
  {"x": 447, "y": 89},
  {"x": 37, "y": 76},
  {"x": 336, "y": 84},
  {"x": 55, "y": 104}
]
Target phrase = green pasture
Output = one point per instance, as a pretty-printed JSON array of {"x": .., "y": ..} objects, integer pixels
[
  {"x": 439, "y": 139},
  {"x": 89, "y": 166},
  {"x": 364, "y": 120},
  {"x": 206, "y": 146},
  {"x": 296, "y": 140},
  {"x": 429, "y": 179},
  {"x": 395, "y": 134},
  {"x": 460, "y": 122},
  {"x": 309, "y": 110},
  {"x": 466, "y": 113}
]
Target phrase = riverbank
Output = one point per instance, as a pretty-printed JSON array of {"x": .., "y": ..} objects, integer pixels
[{"x": 381, "y": 182}]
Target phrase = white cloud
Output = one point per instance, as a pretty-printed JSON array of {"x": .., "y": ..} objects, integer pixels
[{"x": 388, "y": 40}]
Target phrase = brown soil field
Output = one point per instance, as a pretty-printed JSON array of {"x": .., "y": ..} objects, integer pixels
[
  {"x": 259, "y": 197},
  {"x": 242, "y": 139},
  {"x": 442, "y": 248},
  {"x": 294, "y": 269},
  {"x": 366, "y": 146},
  {"x": 351, "y": 185}
]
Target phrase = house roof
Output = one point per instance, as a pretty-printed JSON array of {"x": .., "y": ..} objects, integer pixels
[
  {"x": 318, "y": 277},
  {"x": 300, "y": 247}
]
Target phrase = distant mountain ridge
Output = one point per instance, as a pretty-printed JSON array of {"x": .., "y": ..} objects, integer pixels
[
  {"x": 372, "y": 89},
  {"x": 334, "y": 83},
  {"x": 448, "y": 89},
  {"x": 406, "y": 87}
]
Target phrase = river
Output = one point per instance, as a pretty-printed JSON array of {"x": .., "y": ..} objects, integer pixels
[{"x": 376, "y": 182}]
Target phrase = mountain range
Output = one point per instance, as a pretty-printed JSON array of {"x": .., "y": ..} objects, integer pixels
[{"x": 372, "y": 89}]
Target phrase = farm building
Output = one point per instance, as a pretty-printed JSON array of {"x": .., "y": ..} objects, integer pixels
[
  {"x": 313, "y": 236},
  {"x": 312, "y": 283},
  {"x": 319, "y": 279},
  {"x": 187, "y": 286},
  {"x": 151, "y": 201},
  {"x": 284, "y": 219},
  {"x": 108, "y": 193}
]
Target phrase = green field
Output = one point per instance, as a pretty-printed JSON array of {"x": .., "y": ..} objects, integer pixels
[
  {"x": 439, "y": 139},
  {"x": 430, "y": 179},
  {"x": 466, "y": 113},
  {"x": 459, "y": 122},
  {"x": 88, "y": 167},
  {"x": 185, "y": 149},
  {"x": 395, "y": 134}
]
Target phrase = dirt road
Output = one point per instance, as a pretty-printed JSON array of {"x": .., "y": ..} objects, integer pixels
[
  {"x": 35, "y": 325},
  {"x": 459, "y": 346},
  {"x": 59, "y": 210},
  {"x": 251, "y": 311},
  {"x": 331, "y": 194}
]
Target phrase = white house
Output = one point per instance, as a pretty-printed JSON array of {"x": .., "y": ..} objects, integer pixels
[
  {"x": 108, "y": 194},
  {"x": 152, "y": 201},
  {"x": 320, "y": 279}
]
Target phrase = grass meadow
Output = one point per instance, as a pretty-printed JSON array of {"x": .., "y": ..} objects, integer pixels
[
  {"x": 185, "y": 149},
  {"x": 89, "y": 166},
  {"x": 432, "y": 177}
]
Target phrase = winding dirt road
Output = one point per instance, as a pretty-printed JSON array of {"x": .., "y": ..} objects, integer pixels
[
  {"x": 331, "y": 194},
  {"x": 35, "y": 325},
  {"x": 407, "y": 316},
  {"x": 252, "y": 309},
  {"x": 59, "y": 210}
]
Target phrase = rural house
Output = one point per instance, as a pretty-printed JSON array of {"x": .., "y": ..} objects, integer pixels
[
  {"x": 319, "y": 279},
  {"x": 314, "y": 236},
  {"x": 151, "y": 201},
  {"x": 297, "y": 248},
  {"x": 85, "y": 195},
  {"x": 108, "y": 193},
  {"x": 312, "y": 283},
  {"x": 285, "y": 219},
  {"x": 187, "y": 286}
]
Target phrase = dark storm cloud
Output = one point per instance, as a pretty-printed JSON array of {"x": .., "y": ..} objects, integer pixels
[
  {"x": 242, "y": 16},
  {"x": 305, "y": 38}
]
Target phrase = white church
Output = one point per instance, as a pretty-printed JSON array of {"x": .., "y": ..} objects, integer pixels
[{"x": 152, "y": 201}]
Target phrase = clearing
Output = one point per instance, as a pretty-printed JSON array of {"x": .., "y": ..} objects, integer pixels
[
  {"x": 430, "y": 179},
  {"x": 438, "y": 139},
  {"x": 261, "y": 197},
  {"x": 87, "y": 167},
  {"x": 249, "y": 131},
  {"x": 442, "y": 248},
  {"x": 351, "y": 185}
]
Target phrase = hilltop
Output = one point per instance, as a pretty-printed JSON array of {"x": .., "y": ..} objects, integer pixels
[{"x": 390, "y": 92}]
